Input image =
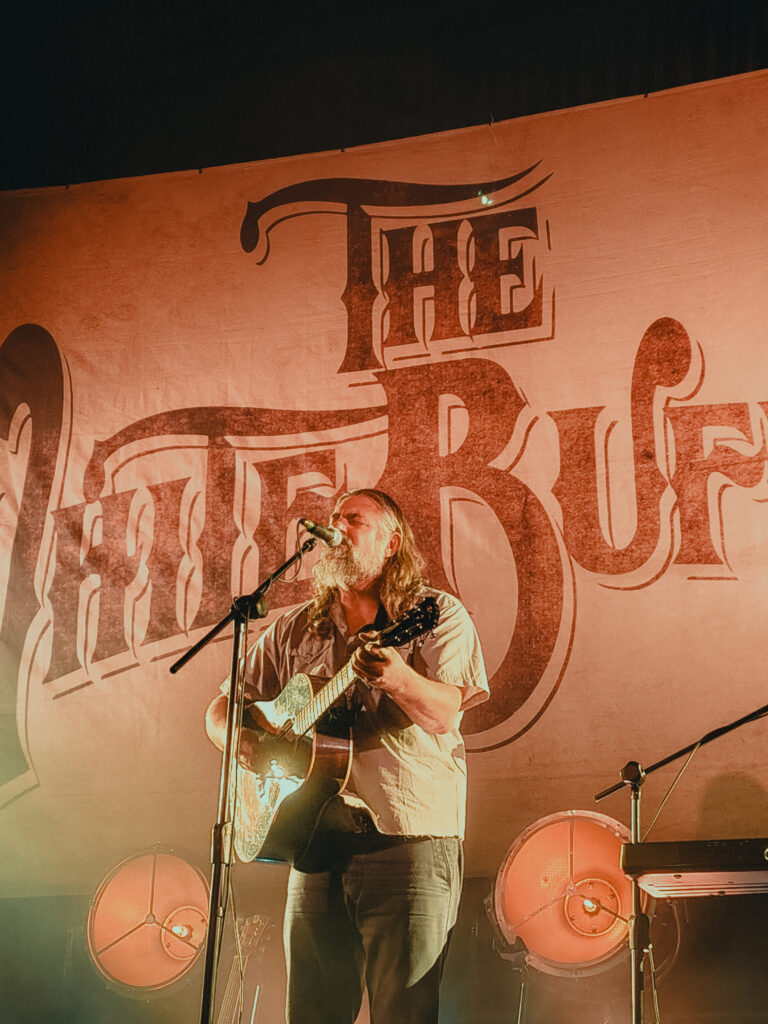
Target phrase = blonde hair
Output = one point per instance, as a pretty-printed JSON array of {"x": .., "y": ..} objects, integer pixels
[{"x": 402, "y": 577}]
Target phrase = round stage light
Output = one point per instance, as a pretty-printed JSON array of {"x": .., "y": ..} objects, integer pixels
[
  {"x": 561, "y": 892},
  {"x": 147, "y": 921}
]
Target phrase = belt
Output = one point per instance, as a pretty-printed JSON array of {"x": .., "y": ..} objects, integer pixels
[{"x": 360, "y": 821}]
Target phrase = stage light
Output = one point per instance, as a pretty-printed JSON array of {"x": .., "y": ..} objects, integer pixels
[
  {"x": 561, "y": 892},
  {"x": 147, "y": 921}
]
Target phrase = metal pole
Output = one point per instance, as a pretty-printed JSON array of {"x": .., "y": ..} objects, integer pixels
[
  {"x": 639, "y": 924},
  {"x": 221, "y": 836}
]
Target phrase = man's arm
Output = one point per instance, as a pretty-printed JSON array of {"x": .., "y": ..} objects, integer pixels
[
  {"x": 432, "y": 705},
  {"x": 261, "y": 676},
  {"x": 216, "y": 720},
  {"x": 216, "y": 728}
]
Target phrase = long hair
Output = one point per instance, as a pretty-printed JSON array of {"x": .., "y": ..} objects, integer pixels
[{"x": 402, "y": 576}]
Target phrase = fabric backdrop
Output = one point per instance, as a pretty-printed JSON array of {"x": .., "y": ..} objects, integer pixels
[{"x": 545, "y": 337}]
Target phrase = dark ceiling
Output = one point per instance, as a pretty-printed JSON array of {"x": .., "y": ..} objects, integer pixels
[{"x": 111, "y": 89}]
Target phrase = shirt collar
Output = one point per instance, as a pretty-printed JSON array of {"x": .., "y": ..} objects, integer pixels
[{"x": 340, "y": 622}]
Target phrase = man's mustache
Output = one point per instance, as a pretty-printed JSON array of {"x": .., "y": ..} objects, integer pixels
[{"x": 344, "y": 544}]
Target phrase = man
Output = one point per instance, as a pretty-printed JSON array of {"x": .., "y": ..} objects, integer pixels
[{"x": 380, "y": 908}]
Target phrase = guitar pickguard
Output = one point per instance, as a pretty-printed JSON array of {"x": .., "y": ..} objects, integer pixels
[{"x": 273, "y": 715}]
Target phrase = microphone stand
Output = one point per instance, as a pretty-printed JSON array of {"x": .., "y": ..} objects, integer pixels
[
  {"x": 244, "y": 608},
  {"x": 633, "y": 776}
]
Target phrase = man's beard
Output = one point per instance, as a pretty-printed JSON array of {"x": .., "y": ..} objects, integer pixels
[{"x": 345, "y": 566}]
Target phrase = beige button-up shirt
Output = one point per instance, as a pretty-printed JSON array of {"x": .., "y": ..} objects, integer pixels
[{"x": 413, "y": 782}]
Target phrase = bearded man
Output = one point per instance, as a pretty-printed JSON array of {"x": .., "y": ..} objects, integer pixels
[{"x": 378, "y": 906}]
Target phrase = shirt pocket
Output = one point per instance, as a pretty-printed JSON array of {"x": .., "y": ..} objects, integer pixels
[{"x": 313, "y": 655}]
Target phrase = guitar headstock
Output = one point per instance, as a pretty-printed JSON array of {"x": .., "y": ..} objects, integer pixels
[{"x": 419, "y": 620}]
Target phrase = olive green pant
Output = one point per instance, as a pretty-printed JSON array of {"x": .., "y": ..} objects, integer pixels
[{"x": 381, "y": 916}]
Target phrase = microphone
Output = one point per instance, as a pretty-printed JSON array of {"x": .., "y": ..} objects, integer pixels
[{"x": 329, "y": 534}]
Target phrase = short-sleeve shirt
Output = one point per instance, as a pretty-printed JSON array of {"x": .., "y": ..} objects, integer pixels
[{"x": 412, "y": 781}]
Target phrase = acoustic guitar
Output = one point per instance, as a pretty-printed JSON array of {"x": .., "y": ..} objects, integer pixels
[
  {"x": 304, "y": 755},
  {"x": 254, "y": 932}
]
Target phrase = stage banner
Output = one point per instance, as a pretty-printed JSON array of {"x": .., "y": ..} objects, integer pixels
[{"x": 545, "y": 337}]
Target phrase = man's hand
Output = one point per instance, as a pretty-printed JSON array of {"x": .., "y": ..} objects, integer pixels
[
  {"x": 428, "y": 703},
  {"x": 380, "y": 666},
  {"x": 249, "y": 744},
  {"x": 216, "y": 727}
]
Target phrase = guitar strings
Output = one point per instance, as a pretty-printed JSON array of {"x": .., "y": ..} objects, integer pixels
[
  {"x": 238, "y": 954},
  {"x": 424, "y": 614}
]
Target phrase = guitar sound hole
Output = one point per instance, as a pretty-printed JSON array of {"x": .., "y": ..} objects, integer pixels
[{"x": 336, "y": 722}]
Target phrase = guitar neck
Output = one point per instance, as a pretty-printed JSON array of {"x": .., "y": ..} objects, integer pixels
[
  {"x": 413, "y": 624},
  {"x": 322, "y": 700}
]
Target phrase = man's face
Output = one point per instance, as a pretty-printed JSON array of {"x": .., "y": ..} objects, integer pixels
[{"x": 368, "y": 543}]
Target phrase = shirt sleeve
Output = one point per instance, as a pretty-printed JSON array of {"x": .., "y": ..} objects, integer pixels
[
  {"x": 452, "y": 653},
  {"x": 262, "y": 666}
]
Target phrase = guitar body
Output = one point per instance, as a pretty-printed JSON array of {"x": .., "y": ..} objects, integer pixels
[
  {"x": 303, "y": 756},
  {"x": 282, "y": 795}
]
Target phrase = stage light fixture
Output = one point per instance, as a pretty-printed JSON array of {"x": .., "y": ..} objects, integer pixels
[
  {"x": 561, "y": 892},
  {"x": 147, "y": 921}
]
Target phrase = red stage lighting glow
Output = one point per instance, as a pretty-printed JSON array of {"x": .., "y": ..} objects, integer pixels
[
  {"x": 561, "y": 891},
  {"x": 147, "y": 921}
]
